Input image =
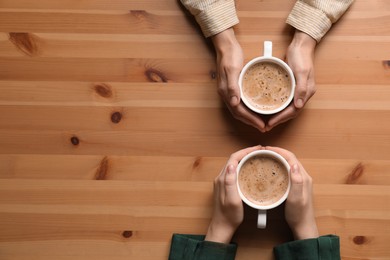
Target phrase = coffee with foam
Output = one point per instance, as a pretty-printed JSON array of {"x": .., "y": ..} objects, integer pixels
[
  {"x": 266, "y": 85},
  {"x": 263, "y": 180}
]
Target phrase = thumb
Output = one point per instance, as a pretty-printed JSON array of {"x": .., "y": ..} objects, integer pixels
[
  {"x": 300, "y": 91},
  {"x": 230, "y": 176},
  {"x": 296, "y": 180},
  {"x": 231, "y": 192},
  {"x": 233, "y": 88}
]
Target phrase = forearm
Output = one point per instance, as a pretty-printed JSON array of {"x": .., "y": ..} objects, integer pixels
[
  {"x": 219, "y": 233},
  {"x": 304, "y": 41},
  {"x": 224, "y": 41},
  {"x": 306, "y": 231},
  {"x": 315, "y": 18},
  {"x": 213, "y": 16}
]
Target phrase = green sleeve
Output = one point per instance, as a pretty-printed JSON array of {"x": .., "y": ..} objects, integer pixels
[
  {"x": 322, "y": 248},
  {"x": 193, "y": 247}
]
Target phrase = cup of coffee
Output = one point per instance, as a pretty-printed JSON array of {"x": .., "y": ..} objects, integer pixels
[
  {"x": 263, "y": 181},
  {"x": 267, "y": 84}
]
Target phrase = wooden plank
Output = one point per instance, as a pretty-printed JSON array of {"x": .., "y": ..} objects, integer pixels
[
  {"x": 169, "y": 70},
  {"x": 170, "y": 22},
  {"x": 93, "y": 4},
  {"x": 120, "y": 94},
  {"x": 178, "y": 143},
  {"x": 107, "y": 45},
  {"x": 53, "y": 45},
  {"x": 275, "y": 5},
  {"x": 154, "y": 119},
  {"x": 110, "y": 94},
  {"x": 175, "y": 168},
  {"x": 128, "y": 70},
  {"x": 90, "y": 21}
]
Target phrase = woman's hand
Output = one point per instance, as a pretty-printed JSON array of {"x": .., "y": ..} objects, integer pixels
[
  {"x": 228, "y": 209},
  {"x": 299, "y": 210},
  {"x": 229, "y": 65},
  {"x": 300, "y": 58}
]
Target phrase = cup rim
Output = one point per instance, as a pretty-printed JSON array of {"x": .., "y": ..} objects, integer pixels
[
  {"x": 278, "y": 62},
  {"x": 275, "y": 155}
]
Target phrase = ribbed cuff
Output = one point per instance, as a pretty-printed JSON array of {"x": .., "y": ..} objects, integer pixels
[
  {"x": 309, "y": 20},
  {"x": 191, "y": 247},
  {"x": 217, "y": 18},
  {"x": 321, "y": 248}
]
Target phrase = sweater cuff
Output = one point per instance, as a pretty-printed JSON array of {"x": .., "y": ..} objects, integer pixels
[
  {"x": 323, "y": 247},
  {"x": 194, "y": 247},
  {"x": 309, "y": 20},
  {"x": 217, "y": 17}
]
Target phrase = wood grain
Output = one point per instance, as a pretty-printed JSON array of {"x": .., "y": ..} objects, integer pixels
[{"x": 112, "y": 131}]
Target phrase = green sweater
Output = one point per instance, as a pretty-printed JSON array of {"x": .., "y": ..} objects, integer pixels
[{"x": 193, "y": 247}]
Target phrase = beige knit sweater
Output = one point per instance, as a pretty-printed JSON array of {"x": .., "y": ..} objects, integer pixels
[{"x": 314, "y": 17}]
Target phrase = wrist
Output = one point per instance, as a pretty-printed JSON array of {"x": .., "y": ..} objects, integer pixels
[
  {"x": 225, "y": 41},
  {"x": 219, "y": 233},
  {"x": 306, "y": 231},
  {"x": 303, "y": 40}
]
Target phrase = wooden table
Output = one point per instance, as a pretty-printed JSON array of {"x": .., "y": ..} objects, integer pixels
[{"x": 112, "y": 131}]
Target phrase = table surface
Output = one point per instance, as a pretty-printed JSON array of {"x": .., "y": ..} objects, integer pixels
[{"x": 112, "y": 131}]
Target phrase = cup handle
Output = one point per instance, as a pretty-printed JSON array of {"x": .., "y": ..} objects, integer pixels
[
  {"x": 262, "y": 219},
  {"x": 267, "y": 48}
]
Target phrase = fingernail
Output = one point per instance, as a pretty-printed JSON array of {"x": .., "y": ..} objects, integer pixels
[
  {"x": 295, "y": 169},
  {"x": 230, "y": 169},
  {"x": 234, "y": 100},
  {"x": 299, "y": 103}
]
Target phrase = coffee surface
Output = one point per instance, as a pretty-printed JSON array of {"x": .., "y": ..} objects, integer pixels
[
  {"x": 263, "y": 180},
  {"x": 266, "y": 85}
]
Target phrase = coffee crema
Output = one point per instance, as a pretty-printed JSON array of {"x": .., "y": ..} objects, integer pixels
[
  {"x": 263, "y": 180},
  {"x": 266, "y": 85}
]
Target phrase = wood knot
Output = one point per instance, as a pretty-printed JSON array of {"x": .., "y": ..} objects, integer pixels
[
  {"x": 355, "y": 174},
  {"x": 127, "y": 234},
  {"x": 116, "y": 117},
  {"x": 102, "y": 170},
  {"x": 74, "y": 140},
  {"x": 154, "y": 75},
  {"x": 103, "y": 90},
  {"x": 386, "y": 64},
  {"x": 197, "y": 162},
  {"x": 360, "y": 240},
  {"x": 25, "y": 42},
  {"x": 213, "y": 74},
  {"x": 139, "y": 14}
]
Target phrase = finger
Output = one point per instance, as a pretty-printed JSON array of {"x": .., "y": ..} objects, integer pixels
[
  {"x": 218, "y": 181},
  {"x": 222, "y": 87},
  {"x": 290, "y": 112},
  {"x": 230, "y": 177},
  {"x": 300, "y": 90},
  {"x": 296, "y": 175},
  {"x": 243, "y": 114},
  {"x": 289, "y": 156},
  {"x": 296, "y": 178},
  {"x": 231, "y": 192},
  {"x": 233, "y": 90},
  {"x": 237, "y": 156}
]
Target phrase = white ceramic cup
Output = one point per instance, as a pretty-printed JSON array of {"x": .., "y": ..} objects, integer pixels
[
  {"x": 262, "y": 209},
  {"x": 267, "y": 57}
]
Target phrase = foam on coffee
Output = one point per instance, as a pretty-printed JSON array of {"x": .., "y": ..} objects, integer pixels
[
  {"x": 266, "y": 85},
  {"x": 263, "y": 180}
]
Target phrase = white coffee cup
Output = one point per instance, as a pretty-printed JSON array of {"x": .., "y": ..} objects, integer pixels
[
  {"x": 267, "y": 57},
  {"x": 262, "y": 209}
]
